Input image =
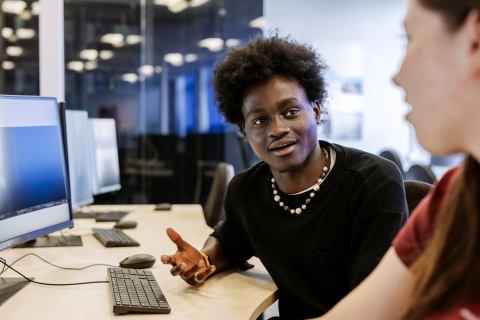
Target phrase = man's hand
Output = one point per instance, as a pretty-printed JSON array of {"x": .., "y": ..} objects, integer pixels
[{"x": 187, "y": 261}]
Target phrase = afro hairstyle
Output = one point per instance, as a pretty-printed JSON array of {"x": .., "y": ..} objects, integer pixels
[{"x": 260, "y": 59}]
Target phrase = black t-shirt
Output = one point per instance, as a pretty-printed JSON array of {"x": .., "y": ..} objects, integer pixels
[{"x": 317, "y": 257}]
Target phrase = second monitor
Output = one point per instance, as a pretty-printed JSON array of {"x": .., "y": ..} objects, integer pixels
[{"x": 79, "y": 163}]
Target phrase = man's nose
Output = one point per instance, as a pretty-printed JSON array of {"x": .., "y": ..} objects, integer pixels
[{"x": 278, "y": 127}]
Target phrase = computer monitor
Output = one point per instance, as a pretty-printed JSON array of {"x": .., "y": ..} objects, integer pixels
[
  {"x": 34, "y": 192},
  {"x": 104, "y": 156},
  {"x": 78, "y": 158}
]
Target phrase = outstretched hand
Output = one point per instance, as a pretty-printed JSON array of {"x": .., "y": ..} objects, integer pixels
[{"x": 187, "y": 261}]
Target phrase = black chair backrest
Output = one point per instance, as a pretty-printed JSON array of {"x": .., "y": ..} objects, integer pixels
[
  {"x": 214, "y": 211},
  {"x": 415, "y": 191},
  {"x": 393, "y": 156},
  {"x": 421, "y": 172}
]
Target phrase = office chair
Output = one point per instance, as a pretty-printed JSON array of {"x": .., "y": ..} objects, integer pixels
[
  {"x": 420, "y": 172},
  {"x": 393, "y": 156},
  {"x": 415, "y": 191},
  {"x": 214, "y": 211}
]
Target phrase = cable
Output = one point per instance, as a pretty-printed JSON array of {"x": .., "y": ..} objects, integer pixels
[
  {"x": 33, "y": 254},
  {"x": 49, "y": 284}
]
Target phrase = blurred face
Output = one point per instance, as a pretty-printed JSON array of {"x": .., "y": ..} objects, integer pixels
[
  {"x": 280, "y": 123},
  {"x": 438, "y": 80}
]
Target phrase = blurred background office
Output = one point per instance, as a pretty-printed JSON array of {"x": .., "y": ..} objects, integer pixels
[{"x": 147, "y": 64}]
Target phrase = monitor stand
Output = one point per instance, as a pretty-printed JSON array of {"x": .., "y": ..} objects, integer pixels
[
  {"x": 60, "y": 241},
  {"x": 10, "y": 286}
]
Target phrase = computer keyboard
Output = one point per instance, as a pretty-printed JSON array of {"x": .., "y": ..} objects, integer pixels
[
  {"x": 112, "y": 216},
  {"x": 135, "y": 290},
  {"x": 114, "y": 238}
]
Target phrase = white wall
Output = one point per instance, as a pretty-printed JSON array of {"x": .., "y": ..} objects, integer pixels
[{"x": 375, "y": 27}]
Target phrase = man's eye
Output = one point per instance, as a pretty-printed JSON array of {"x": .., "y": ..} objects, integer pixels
[
  {"x": 259, "y": 121},
  {"x": 291, "y": 112}
]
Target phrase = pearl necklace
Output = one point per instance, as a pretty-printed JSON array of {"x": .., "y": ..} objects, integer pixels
[{"x": 316, "y": 187}]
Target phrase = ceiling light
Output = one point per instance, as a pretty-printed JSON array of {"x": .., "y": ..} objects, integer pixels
[
  {"x": 118, "y": 44},
  {"x": 158, "y": 69},
  {"x": 15, "y": 7},
  {"x": 191, "y": 57},
  {"x": 35, "y": 8},
  {"x": 179, "y": 7},
  {"x": 146, "y": 70},
  {"x": 113, "y": 38},
  {"x": 130, "y": 77},
  {"x": 259, "y": 23},
  {"x": 167, "y": 3},
  {"x": 23, "y": 33},
  {"x": 90, "y": 65},
  {"x": 7, "y": 32},
  {"x": 14, "y": 51},
  {"x": 75, "y": 66},
  {"x": 176, "y": 59},
  {"x": 232, "y": 42},
  {"x": 25, "y": 15},
  {"x": 88, "y": 54},
  {"x": 133, "y": 39},
  {"x": 8, "y": 65},
  {"x": 212, "y": 44},
  {"x": 106, "y": 54},
  {"x": 198, "y": 3}
]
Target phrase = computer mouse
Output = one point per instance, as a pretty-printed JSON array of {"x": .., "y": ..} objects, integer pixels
[
  {"x": 125, "y": 225},
  {"x": 138, "y": 261},
  {"x": 163, "y": 206}
]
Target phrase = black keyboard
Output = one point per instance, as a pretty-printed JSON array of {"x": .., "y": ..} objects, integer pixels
[
  {"x": 135, "y": 290},
  {"x": 112, "y": 216},
  {"x": 114, "y": 238}
]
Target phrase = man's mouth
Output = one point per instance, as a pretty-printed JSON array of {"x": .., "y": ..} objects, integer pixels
[{"x": 282, "y": 148}]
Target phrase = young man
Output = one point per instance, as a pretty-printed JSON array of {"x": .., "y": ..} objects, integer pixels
[{"x": 318, "y": 215}]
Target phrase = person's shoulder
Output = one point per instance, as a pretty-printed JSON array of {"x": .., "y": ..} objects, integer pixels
[
  {"x": 369, "y": 166},
  {"x": 445, "y": 185},
  {"x": 250, "y": 176}
]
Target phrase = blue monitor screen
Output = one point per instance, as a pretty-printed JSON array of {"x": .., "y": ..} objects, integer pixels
[{"x": 32, "y": 168}]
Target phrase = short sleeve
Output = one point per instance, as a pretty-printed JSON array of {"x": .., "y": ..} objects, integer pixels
[
  {"x": 414, "y": 236},
  {"x": 231, "y": 232}
]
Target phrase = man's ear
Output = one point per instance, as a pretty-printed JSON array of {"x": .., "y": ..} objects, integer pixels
[
  {"x": 243, "y": 131},
  {"x": 317, "y": 109}
]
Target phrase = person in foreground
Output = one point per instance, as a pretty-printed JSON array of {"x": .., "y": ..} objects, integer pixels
[
  {"x": 318, "y": 215},
  {"x": 432, "y": 270}
]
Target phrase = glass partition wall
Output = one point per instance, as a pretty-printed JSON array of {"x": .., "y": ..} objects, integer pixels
[
  {"x": 19, "y": 67},
  {"x": 147, "y": 64}
]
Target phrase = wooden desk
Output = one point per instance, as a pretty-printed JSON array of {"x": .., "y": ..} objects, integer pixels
[{"x": 228, "y": 295}]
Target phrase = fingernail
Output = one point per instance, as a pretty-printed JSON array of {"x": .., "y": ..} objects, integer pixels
[
  {"x": 212, "y": 269},
  {"x": 200, "y": 264},
  {"x": 183, "y": 266}
]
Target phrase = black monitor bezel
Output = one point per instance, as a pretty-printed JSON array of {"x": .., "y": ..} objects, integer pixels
[{"x": 67, "y": 224}]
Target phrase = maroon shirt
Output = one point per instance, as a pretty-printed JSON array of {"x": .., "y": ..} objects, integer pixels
[{"x": 413, "y": 238}]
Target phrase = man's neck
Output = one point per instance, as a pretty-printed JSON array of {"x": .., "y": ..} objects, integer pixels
[{"x": 307, "y": 175}]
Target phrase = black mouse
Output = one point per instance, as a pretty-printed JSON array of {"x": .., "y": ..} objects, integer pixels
[
  {"x": 125, "y": 225},
  {"x": 163, "y": 206},
  {"x": 138, "y": 261}
]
